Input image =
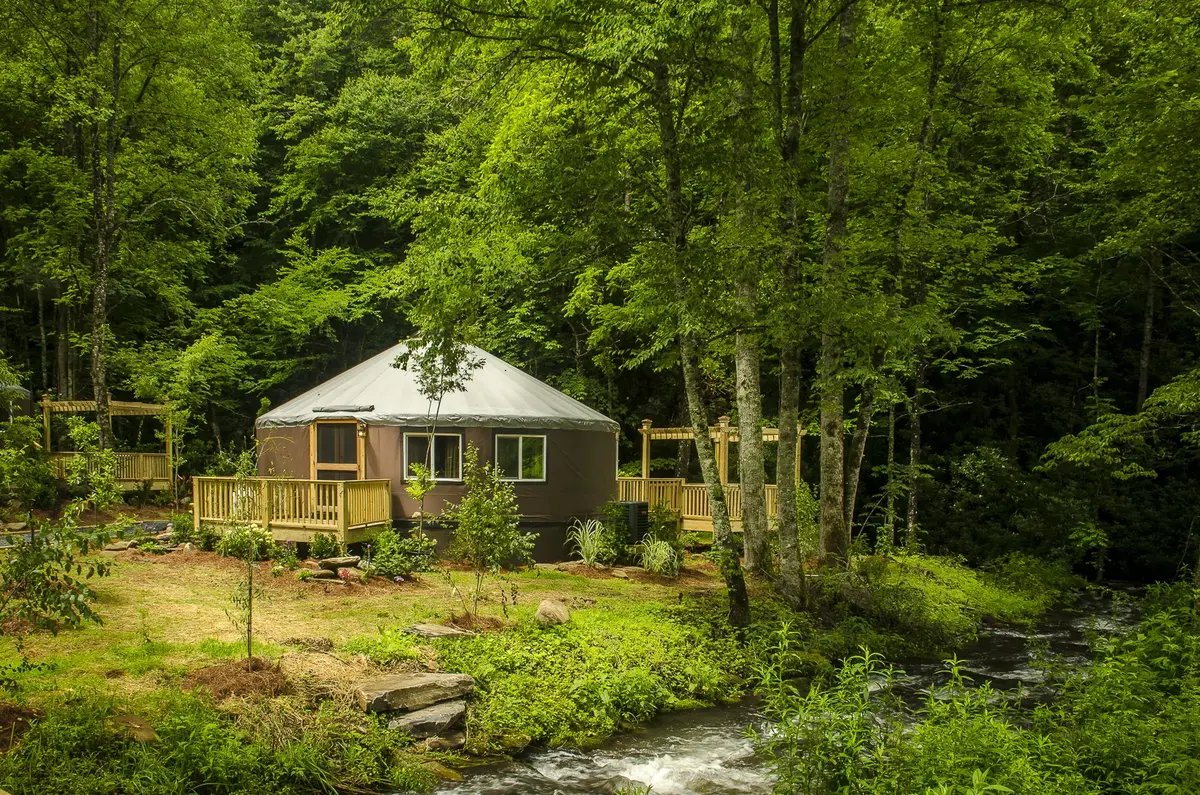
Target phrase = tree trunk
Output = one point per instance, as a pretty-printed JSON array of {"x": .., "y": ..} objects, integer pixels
[
  {"x": 889, "y": 520},
  {"x": 62, "y": 349},
  {"x": 1143, "y": 387},
  {"x": 858, "y": 449},
  {"x": 914, "y": 456},
  {"x": 730, "y": 564},
  {"x": 790, "y": 561},
  {"x": 751, "y": 469},
  {"x": 44, "y": 348},
  {"x": 835, "y": 543}
]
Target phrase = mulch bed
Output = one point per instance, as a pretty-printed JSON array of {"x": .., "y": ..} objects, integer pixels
[
  {"x": 15, "y": 720},
  {"x": 261, "y": 677}
]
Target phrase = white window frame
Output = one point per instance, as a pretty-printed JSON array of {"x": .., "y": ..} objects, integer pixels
[
  {"x": 521, "y": 437},
  {"x": 433, "y": 447}
]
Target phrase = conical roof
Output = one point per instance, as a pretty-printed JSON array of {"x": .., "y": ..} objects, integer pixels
[{"x": 497, "y": 395}]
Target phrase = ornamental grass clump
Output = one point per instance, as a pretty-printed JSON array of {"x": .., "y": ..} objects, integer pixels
[
  {"x": 660, "y": 557},
  {"x": 589, "y": 539}
]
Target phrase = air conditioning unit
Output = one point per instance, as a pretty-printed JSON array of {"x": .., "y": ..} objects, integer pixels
[{"x": 637, "y": 519}]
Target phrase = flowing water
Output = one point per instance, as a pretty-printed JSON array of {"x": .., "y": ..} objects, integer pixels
[{"x": 708, "y": 752}]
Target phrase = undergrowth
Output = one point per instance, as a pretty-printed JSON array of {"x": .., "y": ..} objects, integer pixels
[
  {"x": 1130, "y": 723},
  {"x": 83, "y": 746},
  {"x": 613, "y": 666}
]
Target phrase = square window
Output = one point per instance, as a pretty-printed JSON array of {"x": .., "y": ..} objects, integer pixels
[
  {"x": 447, "y": 455},
  {"x": 521, "y": 457}
]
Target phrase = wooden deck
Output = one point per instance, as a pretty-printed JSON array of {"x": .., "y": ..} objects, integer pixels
[
  {"x": 296, "y": 510},
  {"x": 133, "y": 469},
  {"x": 690, "y": 500}
]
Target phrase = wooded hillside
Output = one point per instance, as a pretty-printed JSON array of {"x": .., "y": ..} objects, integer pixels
[{"x": 957, "y": 241}]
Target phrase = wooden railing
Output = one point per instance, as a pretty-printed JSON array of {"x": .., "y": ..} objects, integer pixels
[
  {"x": 133, "y": 469},
  {"x": 651, "y": 490},
  {"x": 294, "y": 509},
  {"x": 689, "y": 499}
]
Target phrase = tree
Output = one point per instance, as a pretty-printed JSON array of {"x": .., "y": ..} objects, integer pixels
[{"x": 487, "y": 532}]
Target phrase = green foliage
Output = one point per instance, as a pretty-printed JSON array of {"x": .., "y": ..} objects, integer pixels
[
  {"x": 395, "y": 556},
  {"x": 182, "y": 528},
  {"x": 284, "y": 554},
  {"x": 324, "y": 546},
  {"x": 590, "y": 540},
  {"x": 659, "y": 557},
  {"x": 44, "y": 579},
  {"x": 304, "y": 575},
  {"x": 94, "y": 472},
  {"x": 1125, "y": 724},
  {"x": 79, "y": 749},
  {"x": 487, "y": 530},
  {"x": 390, "y": 646},
  {"x": 27, "y": 477},
  {"x": 245, "y": 541},
  {"x": 612, "y": 666}
]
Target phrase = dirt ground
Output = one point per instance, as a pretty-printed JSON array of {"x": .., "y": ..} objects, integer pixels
[{"x": 167, "y": 616}]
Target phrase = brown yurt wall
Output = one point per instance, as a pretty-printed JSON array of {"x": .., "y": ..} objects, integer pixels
[{"x": 283, "y": 452}]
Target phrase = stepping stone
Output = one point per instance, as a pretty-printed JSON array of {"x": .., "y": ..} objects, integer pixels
[
  {"x": 333, "y": 564},
  {"x": 431, "y": 721},
  {"x": 323, "y": 574},
  {"x": 14, "y": 527},
  {"x": 116, "y": 546},
  {"x": 411, "y": 691},
  {"x": 438, "y": 631}
]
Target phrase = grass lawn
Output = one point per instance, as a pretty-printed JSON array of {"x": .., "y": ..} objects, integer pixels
[{"x": 165, "y": 614}]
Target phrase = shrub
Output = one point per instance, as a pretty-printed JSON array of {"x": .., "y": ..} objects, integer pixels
[
  {"x": 660, "y": 557},
  {"x": 393, "y": 555},
  {"x": 284, "y": 555},
  {"x": 591, "y": 540},
  {"x": 488, "y": 535},
  {"x": 207, "y": 537},
  {"x": 44, "y": 579},
  {"x": 182, "y": 530},
  {"x": 246, "y": 542},
  {"x": 26, "y": 473},
  {"x": 324, "y": 546},
  {"x": 304, "y": 575}
]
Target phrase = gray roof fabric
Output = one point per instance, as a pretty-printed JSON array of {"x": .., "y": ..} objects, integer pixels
[{"x": 497, "y": 395}]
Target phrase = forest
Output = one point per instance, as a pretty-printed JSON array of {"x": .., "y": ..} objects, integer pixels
[{"x": 950, "y": 248}]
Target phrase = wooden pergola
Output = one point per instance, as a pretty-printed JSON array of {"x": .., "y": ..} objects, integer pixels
[
  {"x": 690, "y": 500},
  {"x": 133, "y": 469},
  {"x": 722, "y": 435}
]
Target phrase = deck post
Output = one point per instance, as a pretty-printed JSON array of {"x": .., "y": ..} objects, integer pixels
[
  {"x": 264, "y": 503},
  {"x": 341, "y": 512},
  {"x": 197, "y": 490},
  {"x": 646, "y": 449},
  {"x": 723, "y": 448}
]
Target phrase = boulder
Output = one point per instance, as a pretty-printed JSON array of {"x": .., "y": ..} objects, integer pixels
[
  {"x": 333, "y": 564},
  {"x": 15, "y": 527},
  {"x": 116, "y": 546},
  {"x": 411, "y": 691},
  {"x": 551, "y": 612},
  {"x": 154, "y": 526},
  {"x": 437, "y": 631},
  {"x": 189, "y": 547},
  {"x": 620, "y": 573},
  {"x": 431, "y": 721},
  {"x": 323, "y": 574},
  {"x": 451, "y": 742}
]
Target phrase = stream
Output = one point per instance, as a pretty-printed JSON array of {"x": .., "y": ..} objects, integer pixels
[{"x": 707, "y": 752}]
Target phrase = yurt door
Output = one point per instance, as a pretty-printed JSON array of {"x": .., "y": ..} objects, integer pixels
[{"x": 336, "y": 455}]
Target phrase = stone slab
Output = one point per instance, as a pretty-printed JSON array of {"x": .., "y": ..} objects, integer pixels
[
  {"x": 431, "y": 721},
  {"x": 411, "y": 691}
]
